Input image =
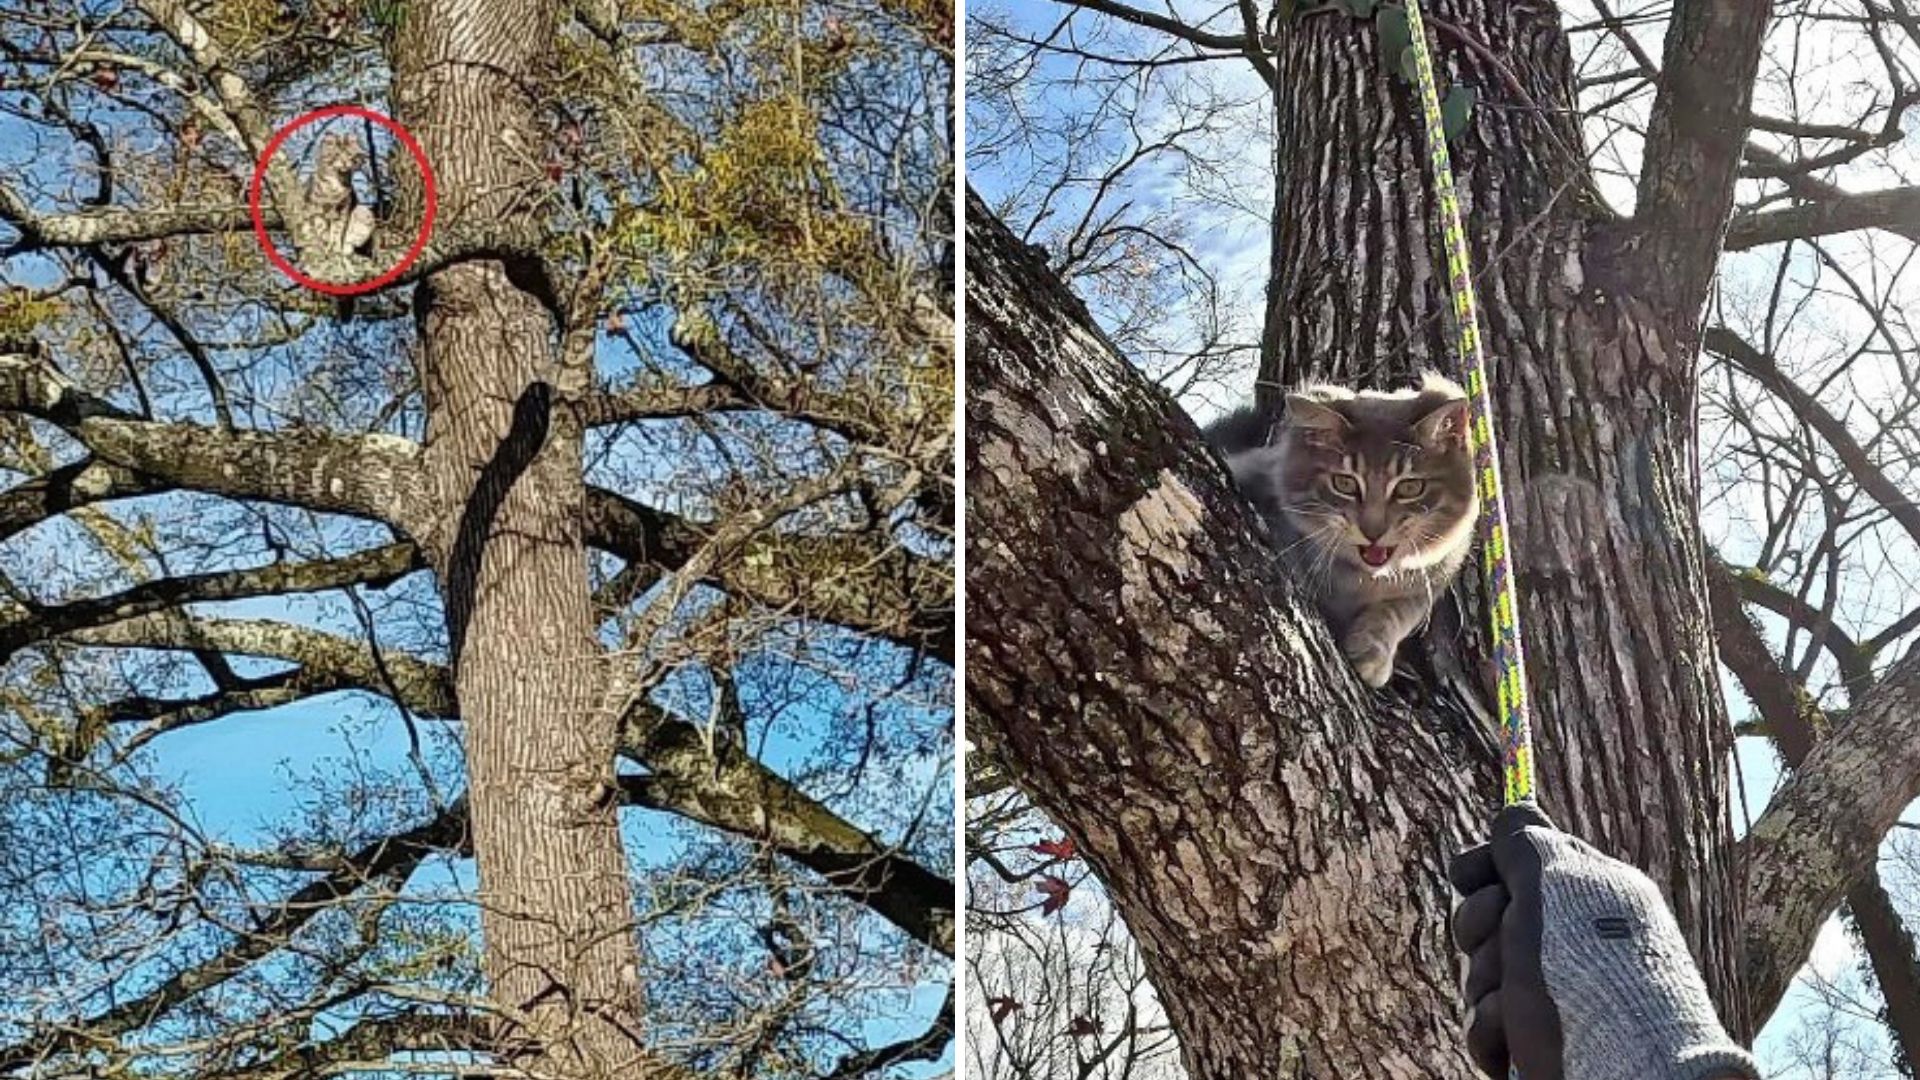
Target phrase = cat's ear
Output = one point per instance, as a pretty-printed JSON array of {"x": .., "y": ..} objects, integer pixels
[
  {"x": 1444, "y": 427},
  {"x": 1315, "y": 420}
]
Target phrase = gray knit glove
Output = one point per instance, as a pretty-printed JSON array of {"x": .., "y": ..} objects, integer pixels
[{"x": 1576, "y": 970}]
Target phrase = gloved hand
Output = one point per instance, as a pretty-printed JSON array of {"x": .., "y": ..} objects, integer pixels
[{"x": 1576, "y": 970}]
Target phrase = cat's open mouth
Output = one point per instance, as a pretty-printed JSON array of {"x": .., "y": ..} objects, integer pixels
[{"x": 1376, "y": 555}]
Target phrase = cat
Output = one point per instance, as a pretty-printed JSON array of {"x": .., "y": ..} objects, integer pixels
[
  {"x": 343, "y": 224},
  {"x": 1369, "y": 499}
]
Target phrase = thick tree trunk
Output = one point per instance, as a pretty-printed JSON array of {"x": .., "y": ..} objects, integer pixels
[
  {"x": 503, "y": 456},
  {"x": 1593, "y": 371}
]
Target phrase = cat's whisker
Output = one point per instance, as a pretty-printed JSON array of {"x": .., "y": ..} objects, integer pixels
[
  {"x": 1303, "y": 511},
  {"x": 1295, "y": 544}
]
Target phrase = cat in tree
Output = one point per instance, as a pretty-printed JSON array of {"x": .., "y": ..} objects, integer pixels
[{"x": 339, "y": 226}]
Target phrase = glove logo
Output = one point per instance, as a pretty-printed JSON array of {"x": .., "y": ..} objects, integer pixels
[{"x": 1614, "y": 927}]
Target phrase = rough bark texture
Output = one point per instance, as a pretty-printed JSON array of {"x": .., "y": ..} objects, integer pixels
[
  {"x": 1692, "y": 156},
  {"x": 1795, "y": 723},
  {"x": 1890, "y": 952},
  {"x": 503, "y": 462},
  {"x": 1806, "y": 852},
  {"x": 1272, "y": 831},
  {"x": 1594, "y": 379}
]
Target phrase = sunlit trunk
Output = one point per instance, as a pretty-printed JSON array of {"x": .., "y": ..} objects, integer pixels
[{"x": 504, "y": 457}]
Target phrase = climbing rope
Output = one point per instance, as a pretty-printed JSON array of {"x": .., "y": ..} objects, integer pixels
[{"x": 1516, "y": 728}]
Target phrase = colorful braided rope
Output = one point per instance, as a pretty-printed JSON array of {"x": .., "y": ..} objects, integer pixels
[{"x": 1516, "y": 728}]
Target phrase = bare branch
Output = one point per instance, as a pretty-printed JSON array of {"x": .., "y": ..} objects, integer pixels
[
  {"x": 1855, "y": 663},
  {"x": 247, "y": 116},
  {"x": 118, "y": 225},
  {"x": 1238, "y": 43},
  {"x": 425, "y": 686},
  {"x": 69, "y": 487},
  {"x": 1896, "y": 209},
  {"x": 370, "y": 1045},
  {"x": 649, "y": 401},
  {"x": 372, "y": 476},
  {"x": 926, "y": 1046},
  {"x": 862, "y": 581},
  {"x": 386, "y": 862},
  {"x": 728, "y": 789},
  {"x": 1766, "y": 370},
  {"x": 1694, "y": 137},
  {"x": 378, "y": 566}
]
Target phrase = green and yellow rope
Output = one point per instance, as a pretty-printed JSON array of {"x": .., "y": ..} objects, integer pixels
[{"x": 1515, "y": 714}]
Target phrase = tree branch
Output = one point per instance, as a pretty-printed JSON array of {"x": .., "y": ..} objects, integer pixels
[
  {"x": 117, "y": 224},
  {"x": 426, "y": 687},
  {"x": 1811, "y": 188},
  {"x": 1895, "y": 209},
  {"x": 1238, "y": 43},
  {"x": 510, "y": 241},
  {"x": 858, "y": 413},
  {"x": 926, "y": 1046},
  {"x": 1694, "y": 137},
  {"x": 158, "y": 716},
  {"x": 1795, "y": 722},
  {"x": 69, "y": 487},
  {"x": 513, "y": 239},
  {"x": 1854, "y": 662},
  {"x": 386, "y": 862},
  {"x": 728, "y": 790},
  {"x": 1763, "y": 369},
  {"x": 1890, "y": 951},
  {"x": 1133, "y": 647},
  {"x": 374, "y": 476},
  {"x": 731, "y": 790},
  {"x": 368, "y": 1047},
  {"x": 378, "y": 566},
  {"x": 866, "y": 581},
  {"x": 651, "y": 401},
  {"x": 1821, "y": 833}
]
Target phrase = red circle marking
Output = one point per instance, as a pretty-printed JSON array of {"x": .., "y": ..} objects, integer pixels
[{"x": 260, "y": 224}]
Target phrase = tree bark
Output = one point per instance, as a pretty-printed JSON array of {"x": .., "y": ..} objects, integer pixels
[
  {"x": 1890, "y": 953},
  {"x": 1821, "y": 833},
  {"x": 1794, "y": 721},
  {"x": 1273, "y": 832},
  {"x": 503, "y": 461}
]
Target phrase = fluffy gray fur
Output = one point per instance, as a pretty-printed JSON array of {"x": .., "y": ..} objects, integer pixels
[
  {"x": 342, "y": 224},
  {"x": 1369, "y": 497}
]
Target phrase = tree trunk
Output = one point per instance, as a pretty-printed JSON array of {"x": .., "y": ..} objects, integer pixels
[
  {"x": 504, "y": 459},
  {"x": 1593, "y": 365}
]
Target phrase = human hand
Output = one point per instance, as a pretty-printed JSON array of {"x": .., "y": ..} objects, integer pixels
[{"x": 1576, "y": 969}]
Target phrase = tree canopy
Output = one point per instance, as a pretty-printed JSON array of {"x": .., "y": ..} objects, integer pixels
[{"x": 538, "y": 664}]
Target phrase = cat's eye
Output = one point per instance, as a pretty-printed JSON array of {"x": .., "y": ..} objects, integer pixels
[
  {"x": 1344, "y": 484},
  {"x": 1410, "y": 489}
]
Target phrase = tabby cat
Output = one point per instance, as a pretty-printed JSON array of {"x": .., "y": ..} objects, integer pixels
[{"x": 1369, "y": 498}]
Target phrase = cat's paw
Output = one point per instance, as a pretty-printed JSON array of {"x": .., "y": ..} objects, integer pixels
[{"x": 1372, "y": 663}]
